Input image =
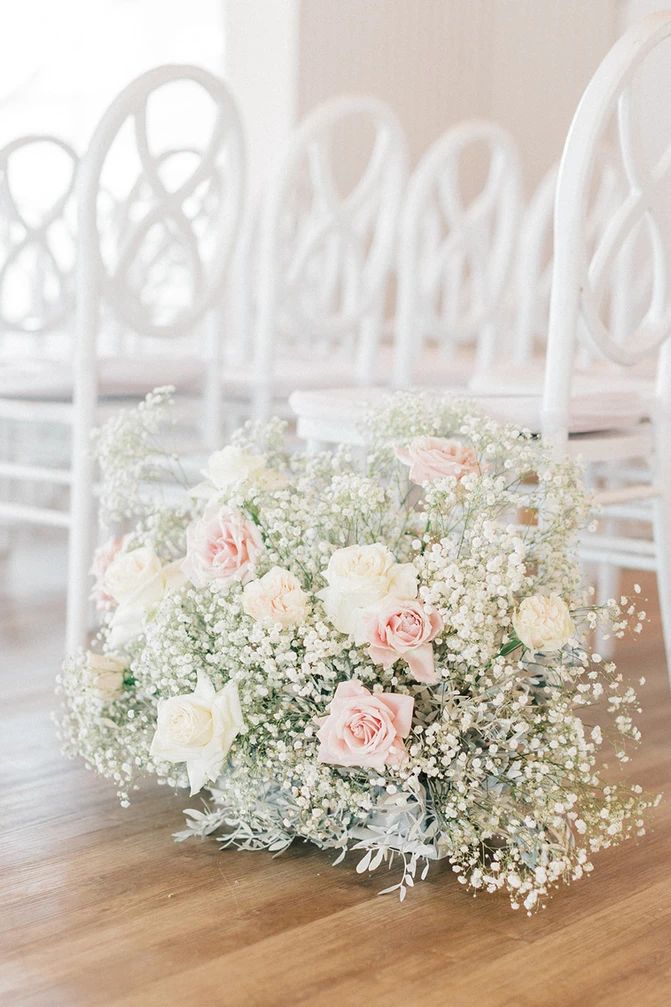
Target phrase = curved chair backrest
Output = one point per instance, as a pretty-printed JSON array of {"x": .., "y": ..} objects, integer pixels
[
  {"x": 36, "y": 234},
  {"x": 535, "y": 260},
  {"x": 456, "y": 250},
  {"x": 165, "y": 216},
  {"x": 581, "y": 275},
  {"x": 160, "y": 217},
  {"x": 324, "y": 257}
]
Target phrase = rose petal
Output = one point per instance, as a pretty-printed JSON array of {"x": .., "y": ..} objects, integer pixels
[
  {"x": 421, "y": 664},
  {"x": 402, "y": 707}
]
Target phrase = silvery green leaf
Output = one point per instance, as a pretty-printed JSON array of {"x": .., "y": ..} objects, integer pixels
[{"x": 364, "y": 862}]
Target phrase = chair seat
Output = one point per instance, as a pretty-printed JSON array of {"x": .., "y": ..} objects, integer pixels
[
  {"x": 288, "y": 373},
  {"x": 529, "y": 380},
  {"x": 323, "y": 372},
  {"x": 52, "y": 381},
  {"x": 334, "y": 415},
  {"x": 438, "y": 368}
]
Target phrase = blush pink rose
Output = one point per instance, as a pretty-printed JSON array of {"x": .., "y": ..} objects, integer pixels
[
  {"x": 402, "y": 628},
  {"x": 221, "y": 546},
  {"x": 363, "y": 729},
  {"x": 102, "y": 557},
  {"x": 431, "y": 458}
]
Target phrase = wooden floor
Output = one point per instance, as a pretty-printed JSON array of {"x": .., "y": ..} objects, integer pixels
[{"x": 99, "y": 906}]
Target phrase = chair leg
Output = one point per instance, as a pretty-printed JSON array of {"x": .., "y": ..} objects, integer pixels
[
  {"x": 213, "y": 392},
  {"x": 82, "y": 512},
  {"x": 261, "y": 402},
  {"x": 5, "y": 487},
  {"x": 662, "y": 523},
  {"x": 79, "y": 560},
  {"x": 607, "y": 586},
  {"x": 662, "y": 532},
  {"x": 607, "y": 574}
]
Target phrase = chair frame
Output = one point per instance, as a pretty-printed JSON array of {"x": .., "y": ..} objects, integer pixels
[
  {"x": 578, "y": 283},
  {"x": 95, "y": 287},
  {"x": 37, "y": 234},
  {"x": 380, "y": 187},
  {"x": 468, "y": 238}
]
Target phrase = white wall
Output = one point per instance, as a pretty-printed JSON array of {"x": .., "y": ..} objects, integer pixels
[
  {"x": 261, "y": 63},
  {"x": 523, "y": 63}
]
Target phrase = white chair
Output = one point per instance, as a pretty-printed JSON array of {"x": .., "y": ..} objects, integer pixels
[
  {"x": 626, "y": 290},
  {"x": 610, "y": 429},
  {"x": 579, "y": 283},
  {"x": 320, "y": 257},
  {"x": 113, "y": 266},
  {"x": 456, "y": 255},
  {"x": 37, "y": 253},
  {"x": 37, "y": 244}
]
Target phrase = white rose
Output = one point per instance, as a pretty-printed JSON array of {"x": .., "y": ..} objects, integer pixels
[
  {"x": 198, "y": 729},
  {"x": 543, "y": 623},
  {"x": 359, "y": 576},
  {"x": 104, "y": 676},
  {"x": 129, "y": 617},
  {"x": 129, "y": 572},
  {"x": 227, "y": 467},
  {"x": 277, "y": 597}
]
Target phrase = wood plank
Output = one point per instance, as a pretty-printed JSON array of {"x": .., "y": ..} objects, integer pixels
[{"x": 100, "y": 907}]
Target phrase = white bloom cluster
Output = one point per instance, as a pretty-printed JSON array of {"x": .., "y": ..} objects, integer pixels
[{"x": 384, "y": 654}]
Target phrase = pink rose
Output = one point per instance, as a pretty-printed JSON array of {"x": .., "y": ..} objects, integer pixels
[
  {"x": 431, "y": 458},
  {"x": 102, "y": 557},
  {"x": 363, "y": 729},
  {"x": 401, "y": 628},
  {"x": 221, "y": 546}
]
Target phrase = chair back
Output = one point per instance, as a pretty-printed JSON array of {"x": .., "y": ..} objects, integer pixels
[
  {"x": 163, "y": 219},
  {"x": 456, "y": 247},
  {"x": 533, "y": 281},
  {"x": 326, "y": 236},
  {"x": 638, "y": 227},
  {"x": 37, "y": 241},
  {"x": 162, "y": 263}
]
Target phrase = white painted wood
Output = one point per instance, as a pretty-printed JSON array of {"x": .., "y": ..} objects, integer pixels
[
  {"x": 323, "y": 256},
  {"x": 534, "y": 260},
  {"x": 579, "y": 277},
  {"x": 35, "y": 473},
  {"x": 105, "y": 267},
  {"x": 29, "y": 514},
  {"x": 456, "y": 251},
  {"x": 43, "y": 236},
  {"x": 578, "y": 282},
  {"x": 103, "y": 282}
]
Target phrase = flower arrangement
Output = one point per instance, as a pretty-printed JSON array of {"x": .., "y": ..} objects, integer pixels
[{"x": 383, "y": 653}]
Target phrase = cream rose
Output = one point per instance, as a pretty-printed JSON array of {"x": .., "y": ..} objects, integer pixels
[
  {"x": 543, "y": 623},
  {"x": 129, "y": 572},
  {"x": 102, "y": 557},
  {"x": 198, "y": 729},
  {"x": 277, "y": 597},
  {"x": 104, "y": 676},
  {"x": 227, "y": 467},
  {"x": 431, "y": 458},
  {"x": 359, "y": 576},
  {"x": 221, "y": 546},
  {"x": 129, "y": 618}
]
